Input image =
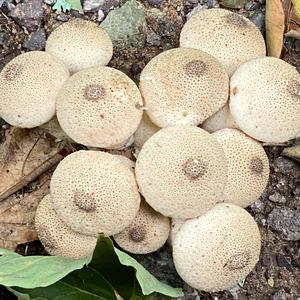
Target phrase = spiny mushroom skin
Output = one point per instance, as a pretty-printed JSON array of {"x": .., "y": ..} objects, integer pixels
[
  {"x": 183, "y": 86},
  {"x": 145, "y": 130},
  {"x": 28, "y": 91},
  {"x": 265, "y": 106},
  {"x": 181, "y": 171},
  {"x": 231, "y": 38},
  {"x": 218, "y": 249},
  {"x": 147, "y": 233},
  {"x": 56, "y": 237},
  {"x": 248, "y": 167},
  {"x": 221, "y": 119},
  {"x": 99, "y": 107},
  {"x": 80, "y": 44},
  {"x": 94, "y": 192}
]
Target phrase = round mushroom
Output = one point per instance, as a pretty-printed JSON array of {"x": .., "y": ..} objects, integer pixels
[
  {"x": 94, "y": 192},
  {"x": 183, "y": 86},
  {"x": 231, "y": 38},
  {"x": 175, "y": 227},
  {"x": 99, "y": 107},
  {"x": 181, "y": 171},
  {"x": 28, "y": 91},
  {"x": 221, "y": 119},
  {"x": 145, "y": 130},
  {"x": 215, "y": 251},
  {"x": 248, "y": 167},
  {"x": 266, "y": 106},
  {"x": 80, "y": 44},
  {"x": 147, "y": 233},
  {"x": 56, "y": 237}
]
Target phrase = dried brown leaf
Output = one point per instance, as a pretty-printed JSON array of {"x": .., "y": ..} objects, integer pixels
[
  {"x": 275, "y": 21},
  {"x": 295, "y": 34},
  {"x": 293, "y": 152}
]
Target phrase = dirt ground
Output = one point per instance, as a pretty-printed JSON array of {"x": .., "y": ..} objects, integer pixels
[{"x": 277, "y": 275}]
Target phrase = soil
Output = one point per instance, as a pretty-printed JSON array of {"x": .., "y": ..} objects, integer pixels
[{"x": 277, "y": 274}]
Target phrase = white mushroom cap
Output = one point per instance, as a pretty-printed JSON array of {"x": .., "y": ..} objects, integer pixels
[
  {"x": 99, "y": 107},
  {"x": 57, "y": 238},
  {"x": 231, "y": 38},
  {"x": 183, "y": 86},
  {"x": 248, "y": 167},
  {"x": 175, "y": 227},
  {"x": 80, "y": 44},
  {"x": 147, "y": 233},
  {"x": 221, "y": 119},
  {"x": 145, "y": 130},
  {"x": 215, "y": 251},
  {"x": 94, "y": 192},
  {"x": 265, "y": 99},
  {"x": 181, "y": 171},
  {"x": 29, "y": 86}
]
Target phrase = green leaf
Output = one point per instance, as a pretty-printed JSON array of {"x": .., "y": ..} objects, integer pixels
[
  {"x": 66, "y": 5},
  {"x": 234, "y": 3},
  {"x": 35, "y": 271}
]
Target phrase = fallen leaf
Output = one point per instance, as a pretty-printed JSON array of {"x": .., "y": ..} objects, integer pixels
[
  {"x": 275, "y": 21},
  {"x": 292, "y": 152},
  {"x": 295, "y": 34}
]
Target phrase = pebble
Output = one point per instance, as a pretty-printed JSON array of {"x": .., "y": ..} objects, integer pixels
[
  {"x": 4, "y": 37},
  {"x": 101, "y": 15},
  {"x": 258, "y": 18},
  {"x": 90, "y": 5},
  {"x": 153, "y": 39},
  {"x": 156, "y": 3},
  {"x": 62, "y": 18},
  {"x": 167, "y": 27},
  {"x": 36, "y": 40},
  {"x": 282, "y": 262},
  {"x": 196, "y": 9},
  {"x": 252, "y": 5},
  {"x": 50, "y": 2},
  {"x": 276, "y": 197},
  {"x": 286, "y": 221},
  {"x": 28, "y": 14},
  {"x": 285, "y": 165}
]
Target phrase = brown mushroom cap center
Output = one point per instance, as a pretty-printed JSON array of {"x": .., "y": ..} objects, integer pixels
[
  {"x": 235, "y": 20},
  {"x": 195, "y": 68},
  {"x": 256, "y": 166},
  {"x": 294, "y": 87},
  {"x": 84, "y": 201},
  {"x": 238, "y": 261},
  {"x": 137, "y": 234},
  {"x": 13, "y": 71},
  {"x": 194, "y": 168},
  {"x": 94, "y": 92}
]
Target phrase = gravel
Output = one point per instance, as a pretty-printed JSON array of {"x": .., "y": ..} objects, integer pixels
[{"x": 36, "y": 40}]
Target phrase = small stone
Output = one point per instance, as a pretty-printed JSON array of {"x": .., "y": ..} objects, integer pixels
[
  {"x": 50, "y": 2},
  {"x": 285, "y": 165},
  {"x": 258, "y": 18},
  {"x": 156, "y": 3},
  {"x": 167, "y": 27},
  {"x": 153, "y": 39},
  {"x": 109, "y": 4},
  {"x": 28, "y": 14},
  {"x": 279, "y": 295},
  {"x": 36, "y": 40},
  {"x": 101, "y": 15},
  {"x": 297, "y": 46},
  {"x": 286, "y": 221},
  {"x": 196, "y": 9},
  {"x": 252, "y": 5},
  {"x": 62, "y": 18},
  {"x": 4, "y": 37},
  {"x": 296, "y": 262},
  {"x": 90, "y": 5},
  {"x": 282, "y": 262},
  {"x": 276, "y": 197}
]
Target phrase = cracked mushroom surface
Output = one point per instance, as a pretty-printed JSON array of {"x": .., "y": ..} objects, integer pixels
[
  {"x": 265, "y": 99},
  {"x": 218, "y": 249},
  {"x": 231, "y": 38},
  {"x": 28, "y": 92},
  {"x": 94, "y": 192},
  {"x": 99, "y": 107},
  {"x": 56, "y": 237},
  {"x": 181, "y": 171},
  {"x": 183, "y": 86},
  {"x": 80, "y": 44},
  {"x": 248, "y": 167},
  {"x": 147, "y": 233}
]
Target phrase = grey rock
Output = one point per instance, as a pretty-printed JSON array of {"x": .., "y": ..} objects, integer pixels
[
  {"x": 90, "y": 5},
  {"x": 28, "y": 14},
  {"x": 101, "y": 15},
  {"x": 196, "y": 9},
  {"x": 252, "y": 5},
  {"x": 286, "y": 221},
  {"x": 126, "y": 25},
  {"x": 297, "y": 46},
  {"x": 4, "y": 37},
  {"x": 156, "y": 3},
  {"x": 36, "y": 40},
  {"x": 109, "y": 4},
  {"x": 258, "y": 18},
  {"x": 277, "y": 198},
  {"x": 285, "y": 165},
  {"x": 62, "y": 18},
  {"x": 279, "y": 295},
  {"x": 167, "y": 27},
  {"x": 153, "y": 39},
  {"x": 50, "y": 2}
]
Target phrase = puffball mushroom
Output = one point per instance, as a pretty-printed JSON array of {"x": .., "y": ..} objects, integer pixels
[
  {"x": 218, "y": 249},
  {"x": 94, "y": 192},
  {"x": 28, "y": 91},
  {"x": 147, "y": 233},
  {"x": 145, "y": 130},
  {"x": 99, "y": 107},
  {"x": 181, "y": 171},
  {"x": 221, "y": 119},
  {"x": 248, "y": 167},
  {"x": 56, "y": 237},
  {"x": 231, "y": 38},
  {"x": 265, "y": 99},
  {"x": 183, "y": 86},
  {"x": 80, "y": 44}
]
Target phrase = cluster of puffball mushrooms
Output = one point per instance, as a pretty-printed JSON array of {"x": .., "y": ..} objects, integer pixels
[{"x": 196, "y": 121}]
